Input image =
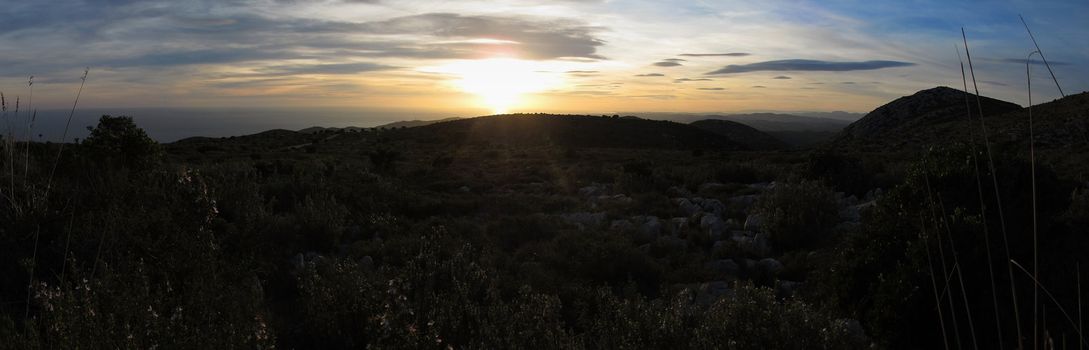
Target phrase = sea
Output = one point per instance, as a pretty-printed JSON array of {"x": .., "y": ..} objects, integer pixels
[{"x": 171, "y": 124}]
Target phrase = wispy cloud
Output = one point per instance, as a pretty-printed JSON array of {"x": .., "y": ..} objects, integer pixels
[
  {"x": 682, "y": 80},
  {"x": 808, "y": 65},
  {"x": 1021, "y": 61},
  {"x": 712, "y": 89},
  {"x": 781, "y": 77},
  {"x": 667, "y": 64},
  {"x": 728, "y": 54},
  {"x": 650, "y": 75}
]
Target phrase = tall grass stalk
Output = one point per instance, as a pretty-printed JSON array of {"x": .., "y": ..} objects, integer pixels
[
  {"x": 11, "y": 153},
  {"x": 948, "y": 290},
  {"x": 1053, "y": 300},
  {"x": 934, "y": 284},
  {"x": 60, "y": 148},
  {"x": 29, "y": 127},
  {"x": 982, "y": 202},
  {"x": 1032, "y": 160},
  {"x": 1042, "y": 58},
  {"x": 997, "y": 194},
  {"x": 30, "y": 281},
  {"x": 938, "y": 222}
]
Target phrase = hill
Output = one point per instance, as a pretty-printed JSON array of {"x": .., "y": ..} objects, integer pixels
[
  {"x": 796, "y": 130},
  {"x": 927, "y": 117},
  {"x": 414, "y": 123},
  {"x": 572, "y": 131},
  {"x": 742, "y": 133}
]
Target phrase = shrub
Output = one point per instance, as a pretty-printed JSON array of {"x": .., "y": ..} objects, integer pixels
[
  {"x": 798, "y": 214},
  {"x": 119, "y": 137}
]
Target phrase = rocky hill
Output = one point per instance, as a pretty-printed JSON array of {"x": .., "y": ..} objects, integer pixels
[
  {"x": 913, "y": 121},
  {"x": 741, "y": 133}
]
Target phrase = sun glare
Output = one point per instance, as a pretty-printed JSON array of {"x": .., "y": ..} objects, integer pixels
[{"x": 501, "y": 82}]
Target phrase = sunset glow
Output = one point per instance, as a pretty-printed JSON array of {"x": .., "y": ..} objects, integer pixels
[
  {"x": 500, "y": 83},
  {"x": 471, "y": 57}
]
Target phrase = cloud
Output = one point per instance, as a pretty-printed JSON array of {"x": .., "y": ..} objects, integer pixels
[
  {"x": 728, "y": 54},
  {"x": 758, "y": 86},
  {"x": 674, "y": 60},
  {"x": 667, "y": 64},
  {"x": 650, "y": 75},
  {"x": 712, "y": 89},
  {"x": 325, "y": 69},
  {"x": 167, "y": 34},
  {"x": 655, "y": 97},
  {"x": 808, "y": 65},
  {"x": 1034, "y": 61},
  {"x": 681, "y": 80},
  {"x": 782, "y": 77},
  {"x": 203, "y": 56},
  {"x": 537, "y": 38}
]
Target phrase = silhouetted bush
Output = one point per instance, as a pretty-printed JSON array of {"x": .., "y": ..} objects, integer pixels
[
  {"x": 118, "y": 139},
  {"x": 798, "y": 214}
]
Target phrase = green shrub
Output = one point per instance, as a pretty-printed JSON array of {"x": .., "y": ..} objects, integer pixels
[{"x": 798, "y": 214}]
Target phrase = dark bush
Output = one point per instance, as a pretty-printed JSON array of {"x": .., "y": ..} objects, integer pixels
[{"x": 798, "y": 214}]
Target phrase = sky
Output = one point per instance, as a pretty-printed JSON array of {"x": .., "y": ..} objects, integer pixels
[{"x": 561, "y": 56}]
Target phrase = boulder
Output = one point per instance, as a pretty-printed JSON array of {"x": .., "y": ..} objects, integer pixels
[
  {"x": 584, "y": 220},
  {"x": 711, "y": 187},
  {"x": 613, "y": 200},
  {"x": 366, "y": 263},
  {"x": 854, "y": 330},
  {"x": 722, "y": 267},
  {"x": 671, "y": 244},
  {"x": 786, "y": 289},
  {"x": 710, "y": 292},
  {"x": 754, "y": 222},
  {"x": 676, "y": 226},
  {"x": 749, "y": 265},
  {"x": 594, "y": 190},
  {"x": 763, "y": 186},
  {"x": 713, "y": 206},
  {"x": 621, "y": 226},
  {"x": 678, "y": 191},
  {"x": 770, "y": 266},
  {"x": 687, "y": 207},
  {"x": 744, "y": 202},
  {"x": 850, "y": 213},
  {"x": 648, "y": 230},
  {"x": 751, "y": 244},
  {"x": 714, "y": 226}
]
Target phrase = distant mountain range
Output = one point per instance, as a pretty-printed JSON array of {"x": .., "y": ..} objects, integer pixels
[
  {"x": 910, "y": 123},
  {"x": 571, "y": 131},
  {"x": 414, "y": 123}
]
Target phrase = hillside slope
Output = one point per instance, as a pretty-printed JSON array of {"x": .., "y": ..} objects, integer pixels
[
  {"x": 572, "y": 131},
  {"x": 744, "y": 134},
  {"x": 911, "y": 122}
]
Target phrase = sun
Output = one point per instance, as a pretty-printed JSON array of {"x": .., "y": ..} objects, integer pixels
[{"x": 500, "y": 83}]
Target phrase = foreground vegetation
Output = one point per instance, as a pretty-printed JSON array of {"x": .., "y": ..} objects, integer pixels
[{"x": 396, "y": 239}]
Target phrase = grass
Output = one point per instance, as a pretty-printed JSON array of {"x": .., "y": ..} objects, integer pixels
[{"x": 1038, "y": 320}]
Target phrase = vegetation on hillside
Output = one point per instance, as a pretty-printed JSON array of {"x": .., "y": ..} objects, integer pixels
[{"x": 527, "y": 232}]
